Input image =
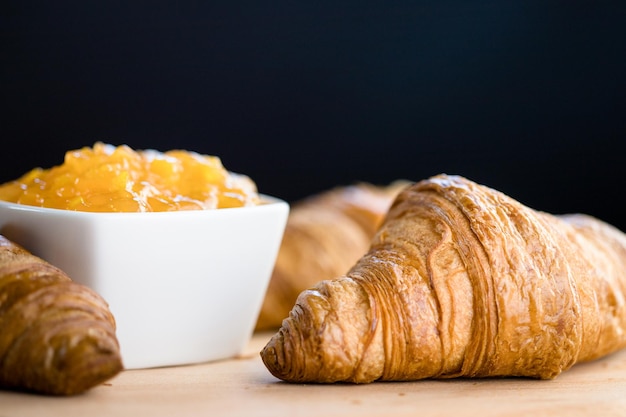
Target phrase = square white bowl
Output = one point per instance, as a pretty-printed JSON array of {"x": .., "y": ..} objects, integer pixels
[{"x": 184, "y": 287}]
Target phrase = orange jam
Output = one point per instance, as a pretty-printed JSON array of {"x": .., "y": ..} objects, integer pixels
[{"x": 106, "y": 178}]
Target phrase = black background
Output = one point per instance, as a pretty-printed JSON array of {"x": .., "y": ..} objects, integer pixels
[{"x": 526, "y": 97}]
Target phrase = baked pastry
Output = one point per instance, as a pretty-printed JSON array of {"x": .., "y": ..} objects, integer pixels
[
  {"x": 56, "y": 336},
  {"x": 461, "y": 281},
  {"x": 324, "y": 236}
]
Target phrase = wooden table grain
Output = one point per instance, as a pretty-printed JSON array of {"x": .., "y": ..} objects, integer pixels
[{"x": 243, "y": 387}]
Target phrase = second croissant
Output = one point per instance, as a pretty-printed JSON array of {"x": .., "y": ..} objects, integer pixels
[{"x": 325, "y": 235}]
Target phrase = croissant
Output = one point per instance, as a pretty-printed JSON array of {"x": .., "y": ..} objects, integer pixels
[
  {"x": 461, "y": 281},
  {"x": 56, "y": 336},
  {"x": 325, "y": 235}
]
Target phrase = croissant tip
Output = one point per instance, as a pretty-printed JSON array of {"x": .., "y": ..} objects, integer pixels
[
  {"x": 276, "y": 359},
  {"x": 269, "y": 357},
  {"x": 88, "y": 372}
]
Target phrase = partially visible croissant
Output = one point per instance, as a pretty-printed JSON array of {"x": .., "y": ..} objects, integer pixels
[
  {"x": 461, "y": 281},
  {"x": 56, "y": 336},
  {"x": 325, "y": 235}
]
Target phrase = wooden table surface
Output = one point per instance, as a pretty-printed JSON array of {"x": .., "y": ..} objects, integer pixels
[{"x": 243, "y": 387}]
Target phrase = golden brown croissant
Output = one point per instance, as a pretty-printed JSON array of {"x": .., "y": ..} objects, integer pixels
[
  {"x": 56, "y": 336},
  {"x": 461, "y": 281},
  {"x": 324, "y": 236}
]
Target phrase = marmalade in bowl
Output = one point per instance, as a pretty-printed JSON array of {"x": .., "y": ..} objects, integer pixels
[{"x": 107, "y": 178}]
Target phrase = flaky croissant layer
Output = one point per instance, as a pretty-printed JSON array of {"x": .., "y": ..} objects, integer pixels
[{"x": 461, "y": 281}]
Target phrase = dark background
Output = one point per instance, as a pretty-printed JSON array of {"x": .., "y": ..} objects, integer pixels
[{"x": 526, "y": 97}]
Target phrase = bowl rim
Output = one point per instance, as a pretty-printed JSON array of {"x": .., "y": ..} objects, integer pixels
[{"x": 265, "y": 201}]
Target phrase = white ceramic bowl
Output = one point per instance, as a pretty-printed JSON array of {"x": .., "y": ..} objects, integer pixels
[{"x": 184, "y": 287}]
